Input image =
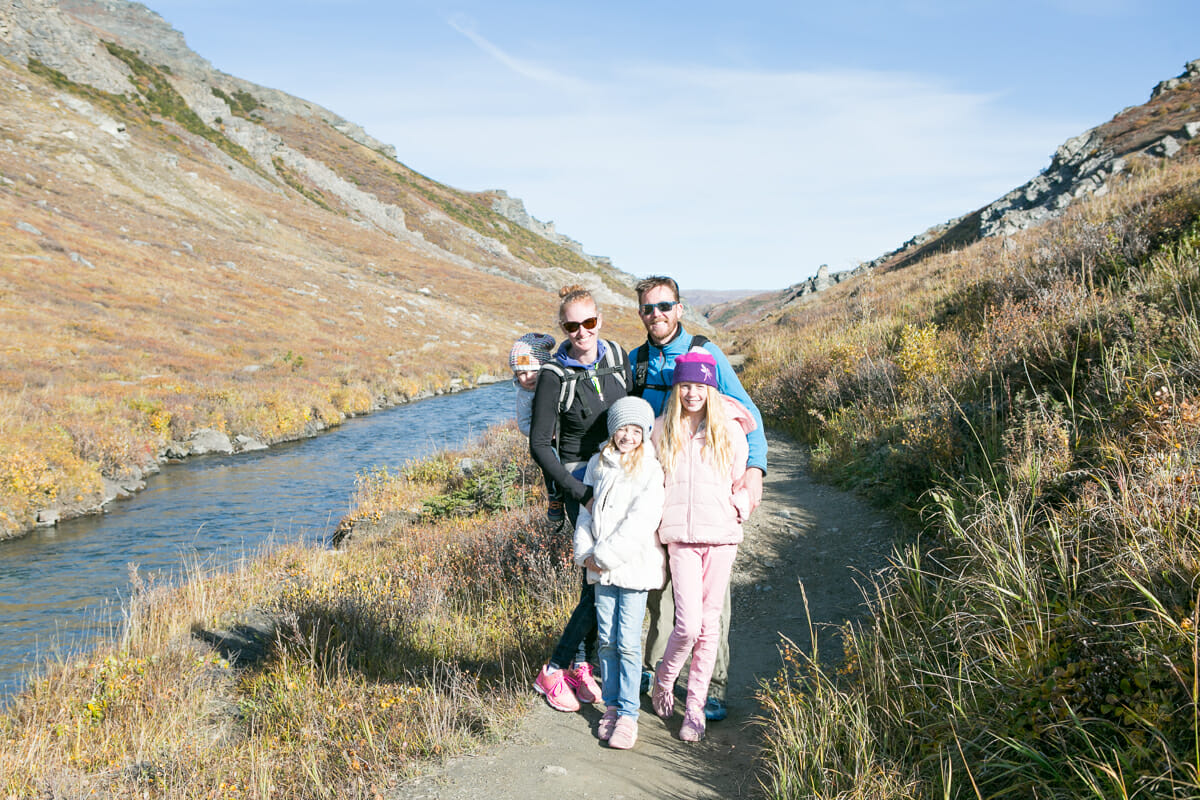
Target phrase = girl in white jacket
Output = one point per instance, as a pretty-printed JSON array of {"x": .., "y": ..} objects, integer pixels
[{"x": 615, "y": 540}]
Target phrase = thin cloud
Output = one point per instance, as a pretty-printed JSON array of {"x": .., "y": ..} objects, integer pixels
[
  {"x": 526, "y": 69},
  {"x": 663, "y": 165}
]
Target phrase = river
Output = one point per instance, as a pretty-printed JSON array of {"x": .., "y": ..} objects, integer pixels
[{"x": 61, "y": 588}]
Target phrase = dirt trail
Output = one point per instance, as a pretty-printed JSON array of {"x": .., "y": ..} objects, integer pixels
[{"x": 804, "y": 533}]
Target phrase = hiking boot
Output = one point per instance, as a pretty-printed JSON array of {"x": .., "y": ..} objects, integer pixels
[
  {"x": 714, "y": 710},
  {"x": 647, "y": 680},
  {"x": 552, "y": 683},
  {"x": 555, "y": 511},
  {"x": 585, "y": 686},
  {"x": 692, "y": 729},
  {"x": 624, "y": 734},
  {"x": 607, "y": 723}
]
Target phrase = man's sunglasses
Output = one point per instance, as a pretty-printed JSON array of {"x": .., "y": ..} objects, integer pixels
[
  {"x": 589, "y": 323},
  {"x": 664, "y": 307}
]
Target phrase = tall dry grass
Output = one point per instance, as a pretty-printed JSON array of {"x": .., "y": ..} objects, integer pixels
[
  {"x": 1033, "y": 405},
  {"x": 411, "y": 641}
]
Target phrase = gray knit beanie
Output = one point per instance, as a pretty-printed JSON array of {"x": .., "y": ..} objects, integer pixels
[{"x": 630, "y": 411}]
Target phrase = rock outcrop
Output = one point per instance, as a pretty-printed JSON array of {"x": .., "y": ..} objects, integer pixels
[{"x": 1083, "y": 166}]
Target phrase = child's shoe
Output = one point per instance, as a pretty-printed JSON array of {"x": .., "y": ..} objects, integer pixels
[
  {"x": 585, "y": 686},
  {"x": 607, "y": 723},
  {"x": 554, "y": 511},
  {"x": 662, "y": 696},
  {"x": 553, "y": 684},
  {"x": 647, "y": 680},
  {"x": 692, "y": 729},
  {"x": 624, "y": 734},
  {"x": 714, "y": 710}
]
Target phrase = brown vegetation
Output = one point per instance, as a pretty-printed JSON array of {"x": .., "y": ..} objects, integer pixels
[
  {"x": 404, "y": 645},
  {"x": 1033, "y": 402},
  {"x": 152, "y": 285}
]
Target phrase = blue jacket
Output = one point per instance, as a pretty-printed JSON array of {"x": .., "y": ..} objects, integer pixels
[{"x": 661, "y": 371}]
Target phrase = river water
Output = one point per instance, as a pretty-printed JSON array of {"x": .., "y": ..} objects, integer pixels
[{"x": 61, "y": 588}]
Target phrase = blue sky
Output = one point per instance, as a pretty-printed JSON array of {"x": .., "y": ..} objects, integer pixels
[{"x": 731, "y": 145}]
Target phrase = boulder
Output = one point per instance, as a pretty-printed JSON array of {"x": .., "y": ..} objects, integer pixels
[
  {"x": 246, "y": 444},
  {"x": 208, "y": 440}
]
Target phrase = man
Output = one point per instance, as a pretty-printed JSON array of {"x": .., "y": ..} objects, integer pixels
[{"x": 653, "y": 365}]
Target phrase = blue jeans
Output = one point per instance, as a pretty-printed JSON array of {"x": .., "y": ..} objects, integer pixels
[{"x": 619, "y": 615}]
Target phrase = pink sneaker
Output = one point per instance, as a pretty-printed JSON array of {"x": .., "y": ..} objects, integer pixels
[
  {"x": 607, "y": 723},
  {"x": 692, "y": 729},
  {"x": 585, "y": 686},
  {"x": 662, "y": 696},
  {"x": 553, "y": 684},
  {"x": 624, "y": 734}
]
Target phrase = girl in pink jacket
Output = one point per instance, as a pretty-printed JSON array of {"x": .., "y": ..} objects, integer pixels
[{"x": 701, "y": 442}]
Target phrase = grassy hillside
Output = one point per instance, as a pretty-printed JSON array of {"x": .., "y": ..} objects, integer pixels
[
  {"x": 1035, "y": 403},
  {"x": 158, "y": 278}
]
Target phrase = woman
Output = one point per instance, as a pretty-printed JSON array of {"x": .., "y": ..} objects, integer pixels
[{"x": 570, "y": 423}]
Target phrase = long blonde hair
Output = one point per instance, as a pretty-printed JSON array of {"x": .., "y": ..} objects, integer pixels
[
  {"x": 718, "y": 448},
  {"x": 631, "y": 462}
]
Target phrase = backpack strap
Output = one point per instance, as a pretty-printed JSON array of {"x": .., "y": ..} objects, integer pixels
[
  {"x": 613, "y": 364},
  {"x": 641, "y": 369}
]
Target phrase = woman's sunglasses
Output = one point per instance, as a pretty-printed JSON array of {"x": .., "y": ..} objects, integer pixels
[
  {"x": 589, "y": 323},
  {"x": 664, "y": 307}
]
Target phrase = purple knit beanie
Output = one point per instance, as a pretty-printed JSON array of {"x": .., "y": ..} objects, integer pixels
[{"x": 696, "y": 366}]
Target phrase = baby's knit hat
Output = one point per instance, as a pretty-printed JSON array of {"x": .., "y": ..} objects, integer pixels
[
  {"x": 630, "y": 410},
  {"x": 530, "y": 352},
  {"x": 696, "y": 366}
]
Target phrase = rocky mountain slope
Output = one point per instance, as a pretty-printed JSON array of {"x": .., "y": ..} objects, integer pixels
[
  {"x": 182, "y": 250},
  {"x": 1136, "y": 138}
]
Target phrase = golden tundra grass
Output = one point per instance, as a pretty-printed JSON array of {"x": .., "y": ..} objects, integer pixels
[
  {"x": 412, "y": 641},
  {"x": 1034, "y": 406},
  {"x": 151, "y": 287}
]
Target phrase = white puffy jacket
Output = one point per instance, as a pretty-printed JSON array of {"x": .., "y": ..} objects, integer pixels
[{"x": 619, "y": 532}]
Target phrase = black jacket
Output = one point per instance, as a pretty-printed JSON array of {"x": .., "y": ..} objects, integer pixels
[{"x": 582, "y": 429}]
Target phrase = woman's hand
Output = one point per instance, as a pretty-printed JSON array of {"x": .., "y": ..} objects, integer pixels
[{"x": 591, "y": 564}]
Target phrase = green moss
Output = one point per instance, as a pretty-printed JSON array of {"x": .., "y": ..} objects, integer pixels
[
  {"x": 242, "y": 103},
  {"x": 158, "y": 96},
  {"x": 293, "y": 180},
  {"x": 113, "y": 102}
]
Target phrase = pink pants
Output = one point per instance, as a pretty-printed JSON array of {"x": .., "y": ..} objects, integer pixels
[{"x": 699, "y": 575}]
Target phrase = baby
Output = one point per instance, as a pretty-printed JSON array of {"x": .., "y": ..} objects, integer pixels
[{"x": 525, "y": 359}]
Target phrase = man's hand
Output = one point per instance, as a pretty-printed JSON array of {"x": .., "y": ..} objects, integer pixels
[
  {"x": 591, "y": 564},
  {"x": 751, "y": 481}
]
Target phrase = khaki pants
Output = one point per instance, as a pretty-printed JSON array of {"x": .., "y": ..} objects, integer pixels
[{"x": 660, "y": 608}]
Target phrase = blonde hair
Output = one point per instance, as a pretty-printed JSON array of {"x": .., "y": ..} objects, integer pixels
[
  {"x": 718, "y": 448},
  {"x": 631, "y": 462},
  {"x": 569, "y": 295}
]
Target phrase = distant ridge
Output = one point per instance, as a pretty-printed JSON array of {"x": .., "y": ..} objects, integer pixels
[{"x": 1163, "y": 127}]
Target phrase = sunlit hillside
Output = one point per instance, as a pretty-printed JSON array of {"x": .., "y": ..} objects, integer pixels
[
  {"x": 182, "y": 250},
  {"x": 1033, "y": 403}
]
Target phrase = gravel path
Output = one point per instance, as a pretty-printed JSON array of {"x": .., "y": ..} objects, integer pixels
[{"x": 805, "y": 534}]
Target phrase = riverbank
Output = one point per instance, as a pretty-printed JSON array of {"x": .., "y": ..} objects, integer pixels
[
  {"x": 807, "y": 550},
  {"x": 353, "y": 672},
  {"x": 399, "y": 647},
  {"x": 122, "y": 480}
]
